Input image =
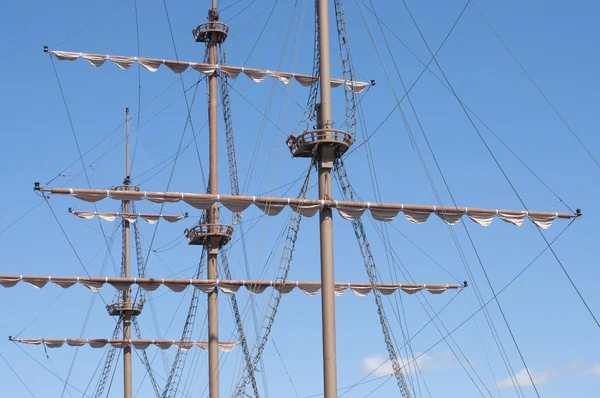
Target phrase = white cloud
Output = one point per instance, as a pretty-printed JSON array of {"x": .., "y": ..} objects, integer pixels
[
  {"x": 594, "y": 370},
  {"x": 380, "y": 366},
  {"x": 524, "y": 380}
]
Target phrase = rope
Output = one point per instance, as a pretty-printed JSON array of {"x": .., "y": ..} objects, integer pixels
[
  {"x": 17, "y": 375},
  {"x": 480, "y": 308},
  {"x": 139, "y": 113},
  {"x": 466, "y": 106},
  {"x": 538, "y": 88}
]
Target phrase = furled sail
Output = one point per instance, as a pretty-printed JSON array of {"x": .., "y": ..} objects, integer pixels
[
  {"x": 131, "y": 217},
  {"x": 416, "y": 214},
  {"x": 225, "y": 286},
  {"x": 152, "y": 65},
  {"x": 224, "y": 346}
]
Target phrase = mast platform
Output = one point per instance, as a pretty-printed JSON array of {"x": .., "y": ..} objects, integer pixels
[
  {"x": 202, "y": 233},
  {"x": 122, "y": 309},
  {"x": 211, "y": 31},
  {"x": 305, "y": 145}
]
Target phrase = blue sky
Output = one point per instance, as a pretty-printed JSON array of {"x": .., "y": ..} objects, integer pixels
[{"x": 553, "y": 40}]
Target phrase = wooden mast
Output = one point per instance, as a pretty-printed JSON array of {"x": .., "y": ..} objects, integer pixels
[
  {"x": 328, "y": 144},
  {"x": 127, "y": 373},
  {"x": 212, "y": 235},
  {"x": 325, "y": 165},
  {"x": 213, "y": 250}
]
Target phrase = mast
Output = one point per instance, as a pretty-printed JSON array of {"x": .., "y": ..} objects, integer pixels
[
  {"x": 212, "y": 235},
  {"x": 213, "y": 252},
  {"x": 325, "y": 164},
  {"x": 127, "y": 384},
  {"x": 323, "y": 144}
]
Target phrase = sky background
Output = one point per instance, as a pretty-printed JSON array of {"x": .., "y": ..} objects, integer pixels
[{"x": 556, "y": 42}]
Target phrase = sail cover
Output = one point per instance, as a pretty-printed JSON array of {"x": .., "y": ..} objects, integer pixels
[
  {"x": 131, "y": 217},
  {"x": 271, "y": 206},
  {"x": 153, "y": 64},
  {"x": 224, "y": 346},
  {"x": 227, "y": 286}
]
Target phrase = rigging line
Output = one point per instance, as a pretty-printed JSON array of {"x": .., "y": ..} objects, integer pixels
[
  {"x": 460, "y": 350},
  {"x": 281, "y": 86},
  {"x": 516, "y": 193},
  {"x": 463, "y": 258},
  {"x": 385, "y": 232},
  {"x": 268, "y": 106},
  {"x": 95, "y": 371},
  {"x": 147, "y": 365},
  {"x": 569, "y": 277},
  {"x": 513, "y": 187},
  {"x": 231, "y": 5},
  {"x": 185, "y": 148},
  {"x": 258, "y": 110},
  {"x": 466, "y": 106},
  {"x": 351, "y": 386},
  {"x": 21, "y": 217},
  {"x": 242, "y": 11},
  {"x": 485, "y": 352},
  {"x": 389, "y": 248},
  {"x": 119, "y": 126},
  {"x": 285, "y": 368},
  {"x": 41, "y": 313},
  {"x": 50, "y": 371},
  {"x": 188, "y": 120},
  {"x": 91, "y": 23},
  {"x": 179, "y": 152},
  {"x": 541, "y": 233},
  {"x": 425, "y": 253},
  {"x": 379, "y": 386},
  {"x": 113, "y": 375},
  {"x": 485, "y": 304},
  {"x": 376, "y": 182},
  {"x": 139, "y": 113},
  {"x": 413, "y": 84},
  {"x": 187, "y": 104},
  {"x": 83, "y": 328},
  {"x": 277, "y": 155},
  {"x": 537, "y": 86},
  {"x": 262, "y": 31},
  {"x": 411, "y": 136},
  {"x": 80, "y": 155},
  {"x": 495, "y": 294},
  {"x": 377, "y": 192},
  {"x": 481, "y": 307},
  {"x": 71, "y": 244},
  {"x": 17, "y": 375},
  {"x": 294, "y": 59}
]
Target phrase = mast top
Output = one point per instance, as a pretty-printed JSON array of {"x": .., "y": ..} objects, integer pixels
[{"x": 212, "y": 31}]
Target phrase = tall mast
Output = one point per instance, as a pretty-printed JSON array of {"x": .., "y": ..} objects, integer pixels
[
  {"x": 127, "y": 385},
  {"x": 213, "y": 252},
  {"x": 325, "y": 164},
  {"x": 212, "y": 235}
]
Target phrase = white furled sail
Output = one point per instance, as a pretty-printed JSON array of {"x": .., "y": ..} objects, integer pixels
[
  {"x": 227, "y": 287},
  {"x": 153, "y": 64},
  {"x": 225, "y": 346},
  {"x": 272, "y": 206},
  {"x": 131, "y": 217}
]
